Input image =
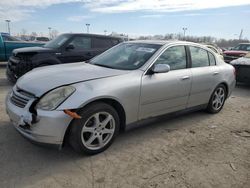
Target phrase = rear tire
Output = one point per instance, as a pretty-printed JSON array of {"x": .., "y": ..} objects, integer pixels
[
  {"x": 96, "y": 130},
  {"x": 217, "y": 99}
]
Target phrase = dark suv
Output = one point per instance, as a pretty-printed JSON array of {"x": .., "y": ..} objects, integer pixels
[{"x": 66, "y": 48}]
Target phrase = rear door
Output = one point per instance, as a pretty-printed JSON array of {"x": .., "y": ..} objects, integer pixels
[
  {"x": 204, "y": 74},
  {"x": 166, "y": 92}
]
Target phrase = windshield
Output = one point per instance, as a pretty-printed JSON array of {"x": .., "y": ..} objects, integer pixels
[
  {"x": 126, "y": 56},
  {"x": 243, "y": 47},
  {"x": 58, "y": 41},
  {"x": 9, "y": 38}
]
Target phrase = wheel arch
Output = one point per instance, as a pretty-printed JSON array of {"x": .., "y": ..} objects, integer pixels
[
  {"x": 226, "y": 86},
  {"x": 110, "y": 101}
]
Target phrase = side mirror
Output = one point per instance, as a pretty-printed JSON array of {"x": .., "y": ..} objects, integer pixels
[
  {"x": 70, "y": 47},
  {"x": 160, "y": 68}
]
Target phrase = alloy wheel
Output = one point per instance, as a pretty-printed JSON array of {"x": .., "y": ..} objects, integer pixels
[
  {"x": 98, "y": 130},
  {"x": 218, "y": 98}
]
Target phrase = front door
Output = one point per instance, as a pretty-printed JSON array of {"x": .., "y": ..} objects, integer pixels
[{"x": 166, "y": 92}]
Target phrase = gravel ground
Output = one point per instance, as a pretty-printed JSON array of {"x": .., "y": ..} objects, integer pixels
[{"x": 191, "y": 150}]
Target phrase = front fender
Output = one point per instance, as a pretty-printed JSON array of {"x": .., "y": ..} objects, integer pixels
[
  {"x": 124, "y": 91},
  {"x": 44, "y": 59}
]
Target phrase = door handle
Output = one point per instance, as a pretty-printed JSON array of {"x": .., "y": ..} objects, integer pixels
[
  {"x": 185, "y": 77},
  {"x": 215, "y": 73}
]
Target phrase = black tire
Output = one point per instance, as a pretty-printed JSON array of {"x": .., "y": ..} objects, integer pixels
[
  {"x": 75, "y": 136},
  {"x": 211, "y": 108}
]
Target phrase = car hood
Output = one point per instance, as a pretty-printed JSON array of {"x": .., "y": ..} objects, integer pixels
[
  {"x": 33, "y": 50},
  {"x": 40, "y": 80}
]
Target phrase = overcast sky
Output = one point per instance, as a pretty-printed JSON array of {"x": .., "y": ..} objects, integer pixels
[{"x": 218, "y": 18}]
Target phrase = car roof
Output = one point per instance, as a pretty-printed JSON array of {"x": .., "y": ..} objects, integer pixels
[
  {"x": 160, "y": 42},
  {"x": 92, "y": 35},
  {"x": 165, "y": 42}
]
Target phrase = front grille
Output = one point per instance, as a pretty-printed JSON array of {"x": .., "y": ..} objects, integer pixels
[
  {"x": 13, "y": 61},
  {"x": 20, "y": 98}
]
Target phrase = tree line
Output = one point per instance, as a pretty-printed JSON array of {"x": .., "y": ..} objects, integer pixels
[{"x": 225, "y": 43}]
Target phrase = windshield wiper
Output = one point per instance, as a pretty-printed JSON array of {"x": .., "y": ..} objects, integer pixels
[{"x": 101, "y": 65}]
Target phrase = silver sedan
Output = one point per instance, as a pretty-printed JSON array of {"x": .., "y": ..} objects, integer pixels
[{"x": 90, "y": 103}]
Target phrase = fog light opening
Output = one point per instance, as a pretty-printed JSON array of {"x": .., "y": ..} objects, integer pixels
[{"x": 72, "y": 114}]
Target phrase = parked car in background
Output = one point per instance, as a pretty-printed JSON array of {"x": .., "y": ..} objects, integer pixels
[
  {"x": 41, "y": 39},
  {"x": 236, "y": 52},
  {"x": 91, "y": 102},
  {"x": 242, "y": 66},
  {"x": 9, "y": 43},
  {"x": 216, "y": 50},
  {"x": 66, "y": 48}
]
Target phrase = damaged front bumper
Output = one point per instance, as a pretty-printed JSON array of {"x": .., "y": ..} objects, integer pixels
[{"x": 44, "y": 127}]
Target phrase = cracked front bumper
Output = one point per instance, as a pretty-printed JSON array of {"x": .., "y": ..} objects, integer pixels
[{"x": 49, "y": 127}]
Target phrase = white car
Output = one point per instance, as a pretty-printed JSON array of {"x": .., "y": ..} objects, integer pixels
[{"x": 91, "y": 102}]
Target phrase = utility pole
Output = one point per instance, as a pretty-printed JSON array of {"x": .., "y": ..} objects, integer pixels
[
  {"x": 241, "y": 33},
  {"x": 184, "y": 32},
  {"x": 105, "y": 32},
  {"x": 87, "y": 25},
  {"x": 8, "y": 25},
  {"x": 49, "y": 28}
]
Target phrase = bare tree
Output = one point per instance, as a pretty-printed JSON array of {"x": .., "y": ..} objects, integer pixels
[
  {"x": 24, "y": 35},
  {"x": 54, "y": 33},
  {"x": 24, "y": 32},
  {"x": 34, "y": 34}
]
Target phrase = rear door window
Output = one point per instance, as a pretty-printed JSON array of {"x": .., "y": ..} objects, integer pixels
[
  {"x": 102, "y": 42},
  {"x": 80, "y": 43},
  {"x": 199, "y": 57},
  {"x": 211, "y": 59}
]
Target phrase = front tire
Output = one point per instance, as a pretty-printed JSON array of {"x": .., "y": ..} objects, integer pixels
[
  {"x": 96, "y": 130},
  {"x": 217, "y": 99}
]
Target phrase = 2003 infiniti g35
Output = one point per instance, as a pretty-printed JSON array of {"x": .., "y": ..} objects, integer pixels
[{"x": 90, "y": 102}]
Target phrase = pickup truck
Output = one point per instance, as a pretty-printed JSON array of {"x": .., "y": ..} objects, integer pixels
[
  {"x": 9, "y": 43},
  {"x": 66, "y": 48},
  {"x": 236, "y": 52}
]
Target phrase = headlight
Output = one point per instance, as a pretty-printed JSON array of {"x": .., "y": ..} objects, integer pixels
[{"x": 54, "y": 98}]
